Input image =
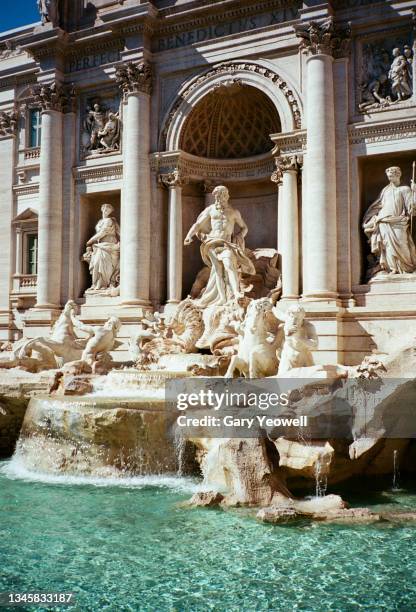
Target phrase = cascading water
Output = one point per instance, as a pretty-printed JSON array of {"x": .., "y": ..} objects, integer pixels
[
  {"x": 396, "y": 473},
  {"x": 121, "y": 430},
  {"x": 321, "y": 480},
  {"x": 180, "y": 449}
]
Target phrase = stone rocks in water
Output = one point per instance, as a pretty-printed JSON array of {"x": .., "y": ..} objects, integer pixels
[
  {"x": 277, "y": 515},
  {"x": 348, "y": 515},
  {"x": 244, "y": 470},
  {"x": 76, "y": 385},
  {"x": 207, "y": 499},
  {"x": 306, "y": 460}
]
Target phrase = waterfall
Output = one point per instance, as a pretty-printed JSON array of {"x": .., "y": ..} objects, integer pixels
[
  {"x": 321, "y": 480},
  {"x": 396, "y": 473},
  {"x": 180, "y": 447}
]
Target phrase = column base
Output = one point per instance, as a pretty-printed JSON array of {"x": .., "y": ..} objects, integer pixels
[
  {"x": 327, "y": 297},
  {"x": 133, "y": 311}
]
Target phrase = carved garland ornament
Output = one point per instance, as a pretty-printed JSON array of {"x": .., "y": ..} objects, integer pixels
[{"x": 230, "y": 68}]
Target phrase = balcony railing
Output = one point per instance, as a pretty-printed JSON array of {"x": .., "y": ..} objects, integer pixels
[
  {"x": 25, "y": 283},
  {"x": 33, "y": 153}
]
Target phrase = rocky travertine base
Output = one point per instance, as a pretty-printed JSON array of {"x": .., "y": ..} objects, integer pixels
[
  {"x": 16, "y": 389},
  {"x": 95, "y": 436}
]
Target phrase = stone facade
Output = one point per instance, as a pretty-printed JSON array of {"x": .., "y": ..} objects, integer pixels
[{"x": 298, "y": 107}]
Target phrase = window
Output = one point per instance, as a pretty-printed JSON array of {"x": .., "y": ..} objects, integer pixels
[
  {"x": 32, "y": 254},
  {"x": 35, "y": 127}
]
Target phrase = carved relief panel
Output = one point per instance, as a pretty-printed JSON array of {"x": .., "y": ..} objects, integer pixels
[
  {"x": 384, "y": 69},
  {"x": 101, "y": 124}
]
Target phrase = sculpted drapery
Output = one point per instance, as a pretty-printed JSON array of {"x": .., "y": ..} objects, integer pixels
[{"x": 387, "y": 225}]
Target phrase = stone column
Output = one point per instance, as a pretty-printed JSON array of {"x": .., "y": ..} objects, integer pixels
[
  {"x": 52, "y": 100},
  {"x": 320, "y": 42},
  {"x": 174, "y": 183},
  {"x": 135, "y": 240},
  {"x": 8, "y": 125},
  {"x": 286, "y": 175}
]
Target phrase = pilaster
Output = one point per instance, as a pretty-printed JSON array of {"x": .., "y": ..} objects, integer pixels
[{"x": 8, "y": 128}]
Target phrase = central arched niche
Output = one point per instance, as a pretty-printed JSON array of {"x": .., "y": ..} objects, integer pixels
[{"x": 233, "y": 121}]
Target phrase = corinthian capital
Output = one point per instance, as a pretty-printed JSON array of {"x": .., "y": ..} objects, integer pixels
[
  {"x": 284, "y": 163},
  {"x": 52, "y": 96},
  {"x": 324, "y": 38},
  {"x": 8, "y": 123},
  {"x": 133, "y": 78},
  {"x": 172, "y": 179}
]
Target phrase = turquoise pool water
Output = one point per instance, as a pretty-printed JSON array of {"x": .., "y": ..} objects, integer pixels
[{"x": 131, "y": 548}]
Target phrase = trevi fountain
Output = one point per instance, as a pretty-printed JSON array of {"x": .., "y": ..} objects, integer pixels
[{"x": 130, "y": 317}]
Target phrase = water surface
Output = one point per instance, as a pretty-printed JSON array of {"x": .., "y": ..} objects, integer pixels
[{"x": 122, "y": 548}]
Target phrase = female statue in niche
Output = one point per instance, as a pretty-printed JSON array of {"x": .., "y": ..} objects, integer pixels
[
  {"x": 387, "y": 224},
  {"x": 103, "y": 252}
]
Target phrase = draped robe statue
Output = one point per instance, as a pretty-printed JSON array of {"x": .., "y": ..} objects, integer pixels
[
  {"x": 103, "y": 251},
  {"x": 387, "y": 225},
  {"x": 222, "y": 250}
]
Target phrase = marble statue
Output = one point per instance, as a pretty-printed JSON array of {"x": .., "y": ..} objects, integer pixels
[
  {"x": 299, "y": 340},
  {"x": 50, "y": 352},
  {"x": 158, "y": 337},
  {"x": 101, "y": 130},
  {"x": 103, "y": 252},
  {"x": 399, "y": 75},
  {"x": 387, "y": 224},
  {"x": 256, "y": 356},
  {"x": 49, "y": 11},
  {"x": 102, "y": 340},
  {"x": 222, "y": 249}
]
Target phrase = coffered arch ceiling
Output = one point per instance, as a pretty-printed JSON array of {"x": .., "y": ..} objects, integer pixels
[{"x": 233, "y": 120}]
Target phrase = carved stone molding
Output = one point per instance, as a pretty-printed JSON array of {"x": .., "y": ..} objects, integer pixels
[
  {"x": 134, "y": 78},
  {"x": 285, "y": 164},
  {"x": 324, "y": 38},
  {"x": 53, "y": 96},
  {"x": 382, "y": 132},
  {"x": 8, "y": 123},
  {"x": 230, "y": 68},
  {"x": 101, "y": 174},
  {"x": 198, "y": 169},
  {"x": 172, "y": 179}
]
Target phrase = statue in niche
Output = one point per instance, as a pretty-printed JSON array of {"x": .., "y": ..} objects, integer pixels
[
  {"x": 387, "y": 224},
  {"x": 103, "y": 253},
  {"x": 400, "y": 76},
  {"x": 49, "y": 11},
  {"x": 101, "y": 130},
  {"x": 222, "y": 250}
]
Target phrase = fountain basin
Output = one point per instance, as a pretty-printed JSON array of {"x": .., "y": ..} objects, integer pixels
[{"x": 97, "y": 436}]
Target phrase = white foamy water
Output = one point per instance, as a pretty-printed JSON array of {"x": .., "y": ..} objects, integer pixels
[{"x": 15, "y": 469}]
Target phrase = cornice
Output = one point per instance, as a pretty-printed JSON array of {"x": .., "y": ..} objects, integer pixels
[
  {"x": 173, "y": 20},
  {"x": 382, "y": 131},
  {"x": 192, "y": 168},
  {"x": 98, "y": 174},
  {"x": 26, "y": 189}
]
